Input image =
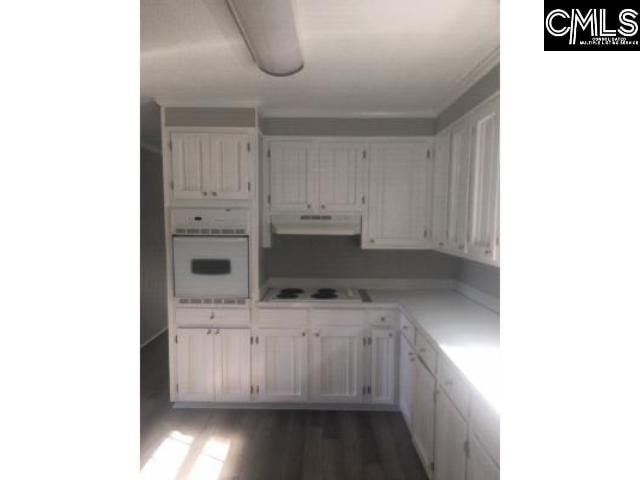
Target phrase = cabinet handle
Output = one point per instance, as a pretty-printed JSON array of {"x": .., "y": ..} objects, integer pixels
[
  {"x": 441, "y": 244},
  {"x": 304, "y": 334},
  {"x": 214, "y": 194},
  {"x": 487, "y": 252},
  {"x": 308, "y": 205},
  {"x": 213, "y": 315},
  {"x": 209, "y": 332},
  {"x": 317, "y": 334},
  {"x": 204, "y": 193},
  {"x": 217, "y": 331},
  {"x": 382, "y": 319},
  {"x": 371, "y": 241},
  {"x": 461, "y": 247},
  {"x": 322, "y": 207}
]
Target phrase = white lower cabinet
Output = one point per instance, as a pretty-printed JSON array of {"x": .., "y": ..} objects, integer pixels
[
  {"x": 424, "y": 413},
  {"x": 405, "y": 390},
  {"x": 450, "y": 441},
  {"x": 381, "y": 366},
  {"x": 336, "y": 368},
  {"x": 213, "y": 364},
  {"x": 479, "y": 464},
  {"x": 280, "y": 364}
]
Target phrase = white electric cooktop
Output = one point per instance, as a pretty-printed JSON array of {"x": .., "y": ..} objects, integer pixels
[{"x": 319, "y": 294}]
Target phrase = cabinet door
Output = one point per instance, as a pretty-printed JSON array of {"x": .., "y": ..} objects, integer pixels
[
  {"x": 424, "y": 414},
  {"x": 281, "y": 363},
  {"x": 233, "y": 364},
  {"x": 340, "y": 176},
  {"x": 407, "y": 375},
  {"x": 195, "y": 362},
  {"x": 337, "y": 364},
  {"x": 382, "y": 366},
  {"x": 226, "y": 172},
  {"x": 190, "y": 155},
  {"x": 479, "y": 465},
  {"x": 451, "y": 435},
  {"x": 292, "y": 179},
  {"x": 458, "y": 195},
  {"x": 397, "y": 189},
  {"x": 485, "y": 125},
  {"x": 441, "y": 188}
]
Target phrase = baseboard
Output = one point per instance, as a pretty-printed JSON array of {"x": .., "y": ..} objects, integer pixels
[
  {"x": 358, "y": 407},
  {"x": 153, "y": 338},
  {"x": 484, "y": 299}
]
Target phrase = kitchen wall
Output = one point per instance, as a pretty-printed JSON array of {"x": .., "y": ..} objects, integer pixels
[
  {"x": 479, "y": 276},
  {"x": 153, "y": 283},
  {"x": 319, "y": 256},
  {"x": 349, "y": 127}
]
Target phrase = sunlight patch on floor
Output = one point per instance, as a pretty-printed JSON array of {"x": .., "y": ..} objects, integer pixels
[
  {"x": 211, "y": 460},
  {"x": 168, "y": 457}
]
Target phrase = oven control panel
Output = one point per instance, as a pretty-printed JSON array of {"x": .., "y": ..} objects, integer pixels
[{"x": 210, "y": 221}]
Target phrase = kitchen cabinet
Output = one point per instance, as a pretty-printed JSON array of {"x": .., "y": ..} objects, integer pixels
[
  {"x": 397, "y": 195},
  {"x": 336, "y": 368},
  {"x": 440, "y": 189},
  {"x": 484, "y": 181},
  {"x": 213, "y": 364},
  {"x": 316, "y": 176},
  {"x": 291, "y": 175},
  {"x": 381, "y": 371},
  {"x": 194, "y": 359},
  {"x": 458, "y": 188},
  {"x": 424, "y": 413},
  {"x": 209, "y": 166},
  {"x": 479, "y": 464},
  {"x": 280, "y": 364},
  {"x": 340, "y": 176},
  {"x": 406, "y": 380},
  {"x": 450, "y": 441}
]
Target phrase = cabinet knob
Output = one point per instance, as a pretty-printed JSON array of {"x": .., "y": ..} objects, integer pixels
[
  {"x": 308, "y": 205},
  {"x": 461, "y": 246},
  {"x": 204, "y": 193},
  {"x": 217, "y": 331},
  {"x": 304, "y": 334},
  {"x": 371, "y": 241},
  {"x": 209, "y": 332},
  {"x": 213, "y": 315},
  {"x": 382, "y": 319},
  {"x": 214, "y": 194},
  {"x": 487, "y": 252},
  {"x": 441, "y": 244},
  {"x": 322, "y": 207},
  {"x": 390, "y": 334},
  {"x": 317, "y": 334}
]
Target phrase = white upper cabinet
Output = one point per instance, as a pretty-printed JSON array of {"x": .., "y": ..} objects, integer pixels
[
  {"x": 440, "y": 190},
  {"x": 397, "y": 195},
  {"x": 382, "y": 366},
  {"x": 209, "y": 166},
  {"x": 281, "y": 364},
  {"x": 291, "y": 176},
  {"x": 318, "y": 176},
  {"x": 340, "y": 176},
  {"x": 483, "y": 214},
  {"x": 336, "y": 368},
  {"x": 458, "y": 189},
  {"x": 451, "y": 441}
]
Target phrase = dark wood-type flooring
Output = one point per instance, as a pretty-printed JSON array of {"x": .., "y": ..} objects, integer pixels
[{"x": 265, "y": 444}]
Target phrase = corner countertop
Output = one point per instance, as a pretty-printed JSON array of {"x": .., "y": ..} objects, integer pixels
[{"x": 466, "y": 331}]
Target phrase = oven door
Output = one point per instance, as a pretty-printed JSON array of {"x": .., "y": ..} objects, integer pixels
[{"x": 211, "y": 267}]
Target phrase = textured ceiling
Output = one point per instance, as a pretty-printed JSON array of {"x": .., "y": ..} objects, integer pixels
[{"x": 362, "y": 57}]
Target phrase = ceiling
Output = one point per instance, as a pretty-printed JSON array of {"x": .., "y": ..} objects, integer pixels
[{"x": 362, "y": 57}]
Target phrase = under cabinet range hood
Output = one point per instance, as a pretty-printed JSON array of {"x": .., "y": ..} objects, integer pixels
[{"x": 305, "y": 224}]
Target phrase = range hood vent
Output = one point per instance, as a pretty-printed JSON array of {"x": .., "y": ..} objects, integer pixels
[{"x": 295, "y": 224}]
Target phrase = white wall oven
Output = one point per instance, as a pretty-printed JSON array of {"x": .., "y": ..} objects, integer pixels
[{"x": 210, "y": 253}]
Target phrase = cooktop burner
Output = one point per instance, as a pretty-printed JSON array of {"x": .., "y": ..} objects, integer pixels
[
  {"x": 286, "y": 295},
  {"x": 291, "y": 291},
  {"x": 327, "y": 290},
  {"x": 319, "y": 295}
]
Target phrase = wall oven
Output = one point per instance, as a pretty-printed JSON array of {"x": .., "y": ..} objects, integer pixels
[{"x": 210, "y": 253}]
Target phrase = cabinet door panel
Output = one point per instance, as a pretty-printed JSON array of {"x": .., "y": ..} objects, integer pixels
[
  {"x": 282, "y": 364},
  {"x": 485, "y": 124},
  {"x": 451, "y": 435},
  {"x": 480, "y": 466},
  {"x": 195, "y": 365},
  {"x": 337, "y": 364},
  {"x": 233, "y": 364},
  {"x": 383, "y": 366},
  {"x": 340, "y": 176},
  {"x": 423, "y": 420},
  {"x": 229, "y": 174},
  {"x": 291, "y": 164},
  {"x": 407, "y": 375},
  {"x": 458, "y": 195},
  {"x": 397, "y": 190},
  {"x": 441, "y": 188},
  {"x": 190, "y": 155}
]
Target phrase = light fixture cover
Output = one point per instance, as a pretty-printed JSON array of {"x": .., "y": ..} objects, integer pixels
[{"x": 269, "y": 30}]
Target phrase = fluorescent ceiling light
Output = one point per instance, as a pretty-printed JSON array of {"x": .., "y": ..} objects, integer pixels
[{"x": 269, "y": 30}]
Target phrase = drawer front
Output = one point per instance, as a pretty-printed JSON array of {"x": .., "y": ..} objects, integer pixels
[
  {"x": 356, "y": 318},
  {"x": 408, "y": 330},
  {"x": 218, "y": 317},
  {"x": 454, "y": 384},
  {"x": 286, "y": 317},
  {"x": 485, "y": 424},
  {"x": 383, "y": 318},
  {"x": 426, "y": 352}
]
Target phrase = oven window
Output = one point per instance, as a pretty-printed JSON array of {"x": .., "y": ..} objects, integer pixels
[{"x": 210, "y": 266}]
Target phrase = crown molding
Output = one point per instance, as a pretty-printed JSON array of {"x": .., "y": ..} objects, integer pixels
[
  {"x": 318, "y": 113},
  {"x": 468, "y": 80}
]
